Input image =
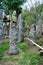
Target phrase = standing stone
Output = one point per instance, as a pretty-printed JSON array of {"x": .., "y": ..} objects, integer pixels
[
  {"x": 1, "y": 26},
  {"x": 39, "y": 26},
  {"x": 20, "y": 25},
  {"x": 27, "y": 32},
  {"x": 33, "y": 32},
  {"x": 13, "y": 40}
]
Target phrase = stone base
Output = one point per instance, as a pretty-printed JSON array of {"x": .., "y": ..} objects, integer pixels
[
  {"x": 13, "y": 50},
  {"x": 41, "y": 53}
]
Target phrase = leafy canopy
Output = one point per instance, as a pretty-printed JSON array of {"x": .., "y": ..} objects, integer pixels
[
  {"x": 0, "y": 4},
  {"x": 13, "y": 4}
]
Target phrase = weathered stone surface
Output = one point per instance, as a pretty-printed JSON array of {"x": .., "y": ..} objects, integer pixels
[
  {"x": 1, "y": 26},
  {"x": 39, "y": 26},
  {"x": 33, "y": 32},
  {"x": 13, "y": 40},
  {"x": 27, "y": 32},
  {"x": 20, "y": 25}
]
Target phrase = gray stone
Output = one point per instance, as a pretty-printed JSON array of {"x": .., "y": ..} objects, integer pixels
[
  {"x": 13, "y": 40},
  {"x": 33, "y": 32},
  {"x": 20, "y": 25},
  {"x": 39, "y": 26},
  {"x": 1, "y": 26},
  {"x": 27, "y": 32}
]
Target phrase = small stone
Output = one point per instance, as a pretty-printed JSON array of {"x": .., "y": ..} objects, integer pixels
[{"x": 41, "y": 53}]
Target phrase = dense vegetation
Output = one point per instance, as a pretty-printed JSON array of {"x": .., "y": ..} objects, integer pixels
[{"x": 31, "y": 17}]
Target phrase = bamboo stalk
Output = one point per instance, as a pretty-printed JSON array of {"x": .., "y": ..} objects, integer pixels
[{"x": 35, "y": 43}]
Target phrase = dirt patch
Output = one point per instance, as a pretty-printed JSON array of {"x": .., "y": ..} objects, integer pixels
[
  {"x": 34, "y": 49},
  {"x": 12, "y": 59},
  {"x": 9, "y": 63}
]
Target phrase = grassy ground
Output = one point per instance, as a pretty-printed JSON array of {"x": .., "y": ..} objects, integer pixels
[
  {"x": 3, "y": 48},
  {"x": 26, "y": 55}
]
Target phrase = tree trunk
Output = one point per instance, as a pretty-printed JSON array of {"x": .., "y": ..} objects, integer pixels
[
  {"x": 20, "y": 24},
  {"x": 13, "y": 37},
  {"x": 1, "y": 26}
]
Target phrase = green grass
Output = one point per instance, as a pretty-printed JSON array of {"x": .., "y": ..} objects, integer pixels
[
  {"x": 23, "y": 47},
  {"x": 28, "y": 57},
  {"x": 3, "y": 48}
]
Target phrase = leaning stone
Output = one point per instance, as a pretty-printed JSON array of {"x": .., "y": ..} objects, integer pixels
[{"x": 21, "y": 30}]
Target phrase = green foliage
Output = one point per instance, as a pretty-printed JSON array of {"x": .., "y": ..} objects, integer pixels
[
  {"x": 6, "y": 11},
  {"x": 1, "y": 0},
  {"x": 29, "y": 18},
  {"x": 0, "y": 5},
  {"x": 39, "y": 9},
  {"x": 14, "y": 16},
  {"x": 13, "y": 4},
  {"x": 40, "y": 42}
]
